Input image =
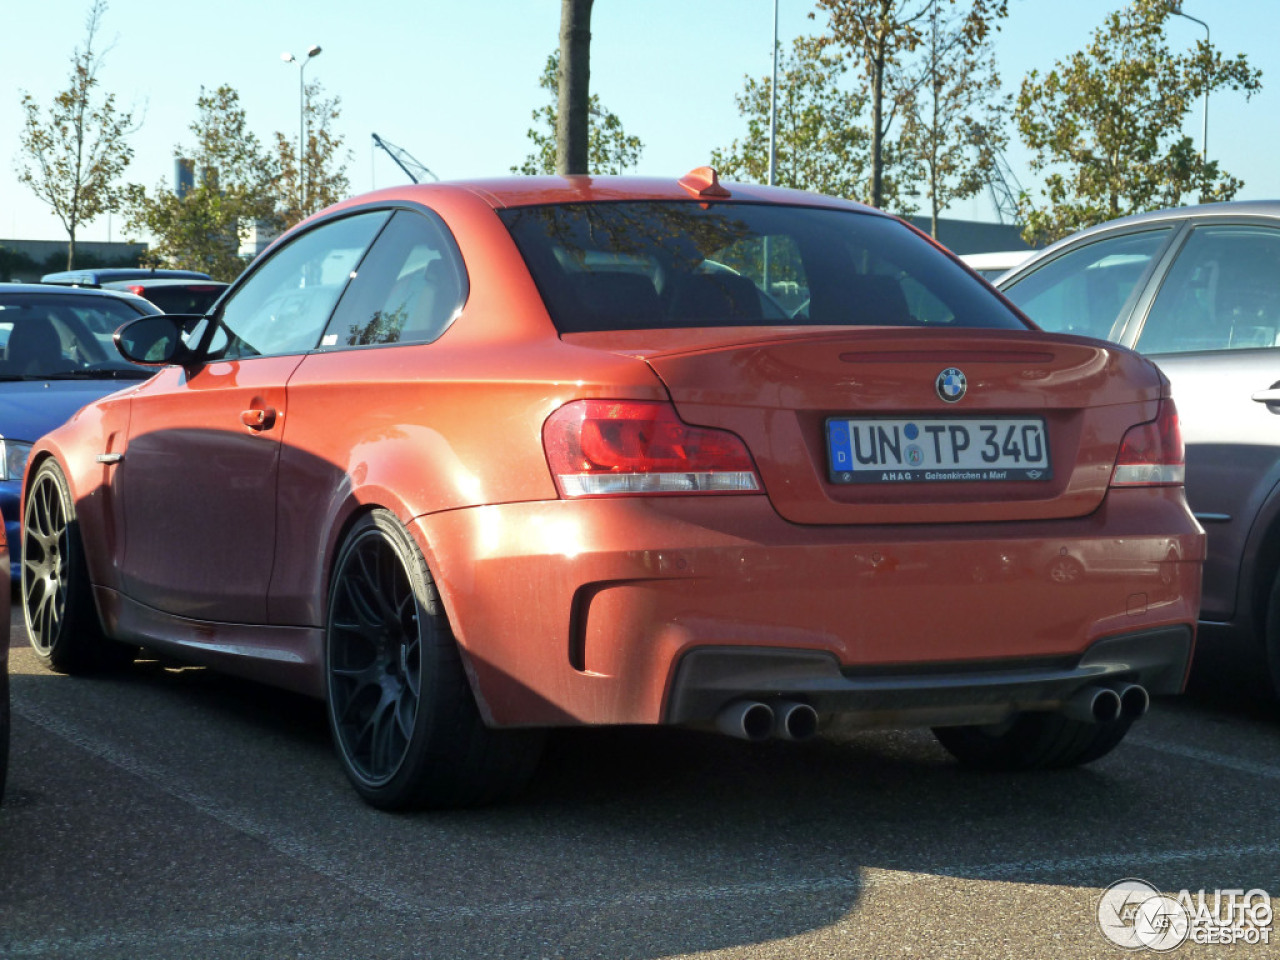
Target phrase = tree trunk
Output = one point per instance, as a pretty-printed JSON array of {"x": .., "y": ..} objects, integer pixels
[
  {"x": 71, "y": 249},
  {"x": 572, "y": 121}
]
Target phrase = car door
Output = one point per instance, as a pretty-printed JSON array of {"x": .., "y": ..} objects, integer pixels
[
  {"x": 1213, "y": 327},
  {"x": 196, "y": 485}
]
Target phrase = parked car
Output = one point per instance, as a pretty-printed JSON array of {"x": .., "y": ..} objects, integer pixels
[
  {"x": 995, "y": 264},
  {"x": 174, "y": 296},
  {"x": 56, "y": 355},
  {"x": 97, "y": 277},
  {"x": 1197, "y": 289},
  {"x": 472, "y": 460},
  {"x": 4, "y": 671}
]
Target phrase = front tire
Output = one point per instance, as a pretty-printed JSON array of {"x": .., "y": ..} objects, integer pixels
[
  {"x": 57, "y": 598},
  {"x": 402, "y": 715},
  {"x": 1032, "y": 741}
]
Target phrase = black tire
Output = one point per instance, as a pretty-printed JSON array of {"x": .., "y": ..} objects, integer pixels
[
  {"x": 1032, "y": 741},
  {"x": 57, "y": 598},
  {"x": 1271, "y": 636},
  {"x": 402, "y": 715}
]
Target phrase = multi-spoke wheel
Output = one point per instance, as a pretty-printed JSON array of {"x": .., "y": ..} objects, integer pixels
[
  {"x": 57, "y": 599},
  {"x": 401, "y": 711}
]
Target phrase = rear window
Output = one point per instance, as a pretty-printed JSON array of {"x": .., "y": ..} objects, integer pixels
[{"x": 662, "y": 265}]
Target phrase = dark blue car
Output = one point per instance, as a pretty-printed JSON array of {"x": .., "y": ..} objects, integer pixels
[{"x": 56, "y": 355}]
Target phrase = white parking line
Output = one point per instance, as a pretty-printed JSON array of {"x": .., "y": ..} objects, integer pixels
[{"x": 1270, "y": 771}]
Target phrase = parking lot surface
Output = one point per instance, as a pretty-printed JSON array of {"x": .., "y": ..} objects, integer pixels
[{"x": 175, "y": 813}]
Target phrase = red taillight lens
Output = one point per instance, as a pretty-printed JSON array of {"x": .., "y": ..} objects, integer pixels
[
  {"x": 599, "y": 448},
  {"x": 1152, "y": 454},
  {"x": 136, "y": 288}
]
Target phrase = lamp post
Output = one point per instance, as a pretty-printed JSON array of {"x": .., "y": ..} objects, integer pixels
[
  {"x": 1204, "y": 141},
  {"x": 312, "y": 51}
]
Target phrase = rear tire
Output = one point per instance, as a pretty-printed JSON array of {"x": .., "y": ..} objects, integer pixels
[
  {"x": 403, "y": 718},
  {"x": 1032, "y": 741},
  {"x": 57, "y": 598}
]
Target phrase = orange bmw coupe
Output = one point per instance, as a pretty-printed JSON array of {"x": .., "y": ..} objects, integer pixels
[{"x": 473, "y": 460}]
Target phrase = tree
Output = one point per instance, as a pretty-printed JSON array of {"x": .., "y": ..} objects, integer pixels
[
  {"x": 324, "y": 163},
  {"x": 882, "y": 34},
  {"x": 820, "y": 144},
  {"x": 952, "y": 128},
  {"x": 75, "y": 154},
  {"x": 610, "y": 148},
  {"x": 201, "y": 228},
  {"x": 1109, "y": 119},
  {"x": 574, "y": 87}
]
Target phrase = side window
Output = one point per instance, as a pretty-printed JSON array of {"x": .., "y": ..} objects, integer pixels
[
  {"x": 285, "y": 304},
  {"x": 1221, "y": 293},
  {"x": 408, "y": 289},
  {"x": 1086, "y": 290}
]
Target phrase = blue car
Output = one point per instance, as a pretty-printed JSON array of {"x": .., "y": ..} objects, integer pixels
[{"x": 56, "y": 355}]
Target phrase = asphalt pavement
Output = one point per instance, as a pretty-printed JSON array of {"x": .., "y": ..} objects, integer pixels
[{"x": 175, "y": 813}]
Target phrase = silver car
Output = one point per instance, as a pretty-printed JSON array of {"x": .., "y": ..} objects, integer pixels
[{"x": 1197, "y": 289}]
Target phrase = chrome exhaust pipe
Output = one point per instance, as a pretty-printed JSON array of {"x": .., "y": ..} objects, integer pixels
[
  {"x": 746, "y": 720},
  {"x": 1134, "y": 700},
  {"x": 794, "y": 721},
  {"x": 1094, "y": 705}
]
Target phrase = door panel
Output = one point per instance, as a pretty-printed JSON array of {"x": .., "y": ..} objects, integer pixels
[{"x": 197, "y": 489}]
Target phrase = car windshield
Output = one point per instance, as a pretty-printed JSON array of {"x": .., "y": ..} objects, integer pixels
[
  {"x": 644, "y": 265},
  {"x": 50, "y": 336}
]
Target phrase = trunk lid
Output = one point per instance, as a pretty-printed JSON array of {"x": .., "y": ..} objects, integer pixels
[{"x": 786, "y": 391}]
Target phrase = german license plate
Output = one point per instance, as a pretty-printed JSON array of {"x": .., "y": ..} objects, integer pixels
[{"x": 976, "y": 449}]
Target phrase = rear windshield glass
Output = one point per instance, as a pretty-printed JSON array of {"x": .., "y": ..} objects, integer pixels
[{"x": 624, "y": 266}]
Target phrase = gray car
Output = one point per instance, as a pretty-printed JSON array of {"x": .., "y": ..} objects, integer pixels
[{"x": 1197, "y": 289}]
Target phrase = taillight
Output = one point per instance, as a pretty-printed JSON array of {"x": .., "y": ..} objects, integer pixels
[
  {"x": 600, "y": 448},
  {"x": 1152, "y": 454},
  {"x": 137, "y": 289}
]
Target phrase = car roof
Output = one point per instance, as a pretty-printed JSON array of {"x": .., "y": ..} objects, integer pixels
[
  {"x": 94, "y": 277},
  {"x": 61, "y": 290},
  {"x": 517, "y": 191},
  {"x": 162, "y": 282}
]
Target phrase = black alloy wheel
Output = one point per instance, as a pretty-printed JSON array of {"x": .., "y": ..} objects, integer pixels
[{"x": 403, "y": 718}]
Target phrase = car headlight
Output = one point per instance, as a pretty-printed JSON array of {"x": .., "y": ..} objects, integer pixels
[{"x": 13, "y": 458}]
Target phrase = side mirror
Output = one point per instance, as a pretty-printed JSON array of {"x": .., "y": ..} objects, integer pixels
[{"x": 155, "y": 340}]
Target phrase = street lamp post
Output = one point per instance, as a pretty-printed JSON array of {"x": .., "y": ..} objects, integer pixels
[
  {"x": 313, "y": 50},
  {"x": 1204, "y": 141}
]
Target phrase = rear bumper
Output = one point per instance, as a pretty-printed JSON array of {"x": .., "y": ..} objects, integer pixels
[
  {"x": 587, "y": 611},
  {"x": 708, "y": 679}
]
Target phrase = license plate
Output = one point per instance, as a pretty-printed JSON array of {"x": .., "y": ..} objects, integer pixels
[{"x": 976, "y": 449}]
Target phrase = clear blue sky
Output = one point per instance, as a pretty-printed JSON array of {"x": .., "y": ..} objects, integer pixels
[{"x": 454, "y": 81}]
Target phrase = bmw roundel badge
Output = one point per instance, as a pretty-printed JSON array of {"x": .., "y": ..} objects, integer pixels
[{"x": 951, "y": 385}]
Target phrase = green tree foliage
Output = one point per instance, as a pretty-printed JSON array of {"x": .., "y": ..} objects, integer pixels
[
  {"x": 952, "y": 127},
  {"x": 73, "y": 154},
  {"x": 324, "y": 162},
  {"x": 820, "y": 144},
  {"x": 882, "y": 36},
  {"x": 1108, "y": 123},
  {"x": 202, "y": 229},
  {"x": 610, "y": 148}
]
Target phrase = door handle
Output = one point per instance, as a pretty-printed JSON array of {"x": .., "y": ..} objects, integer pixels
[
  {"x": 259, "y": 418},
  {"x": 1269, "y": 396}
]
